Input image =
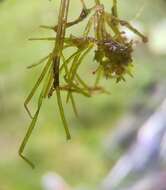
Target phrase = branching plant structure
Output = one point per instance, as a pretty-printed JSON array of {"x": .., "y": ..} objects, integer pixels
[{"x": 102, "y": 35}]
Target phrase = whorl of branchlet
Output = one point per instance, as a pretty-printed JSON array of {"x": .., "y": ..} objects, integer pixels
[{"x": 114, "y": 57}]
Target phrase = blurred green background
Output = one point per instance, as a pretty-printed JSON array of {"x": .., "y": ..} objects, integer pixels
[{"x": 82, "y": 161}]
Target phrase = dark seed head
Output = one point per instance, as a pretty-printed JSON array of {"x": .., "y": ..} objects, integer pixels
[{"x": 115, "y": 57}]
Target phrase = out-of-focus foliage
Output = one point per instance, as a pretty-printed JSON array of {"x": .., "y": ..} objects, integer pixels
[{"x": 81, "y": 161}]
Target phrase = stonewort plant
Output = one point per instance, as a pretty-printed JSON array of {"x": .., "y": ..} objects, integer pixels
[{"x": 112, "y": 51}]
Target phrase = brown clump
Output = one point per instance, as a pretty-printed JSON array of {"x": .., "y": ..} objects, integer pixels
[{"x": 114, "y": 57}]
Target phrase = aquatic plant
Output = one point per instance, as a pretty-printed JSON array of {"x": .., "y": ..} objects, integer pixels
[{"x": 104, "y": 36}]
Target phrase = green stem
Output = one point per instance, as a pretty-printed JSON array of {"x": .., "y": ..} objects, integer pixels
[
  {"x": 60, "y": 105},
  {"x": 59, "y": 43},
  {"x": 97, "y": 2},
  {"x": 61, "y": 30},
  {"x": 114, "y": 8}
]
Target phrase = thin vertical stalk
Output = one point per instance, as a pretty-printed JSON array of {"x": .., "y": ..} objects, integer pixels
[
  {"x": 115, "y": 12},
  {"x": 97, "y": 2},
  {"x": 61, "y": 30},
  {"x": 59, "y": 43}
]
